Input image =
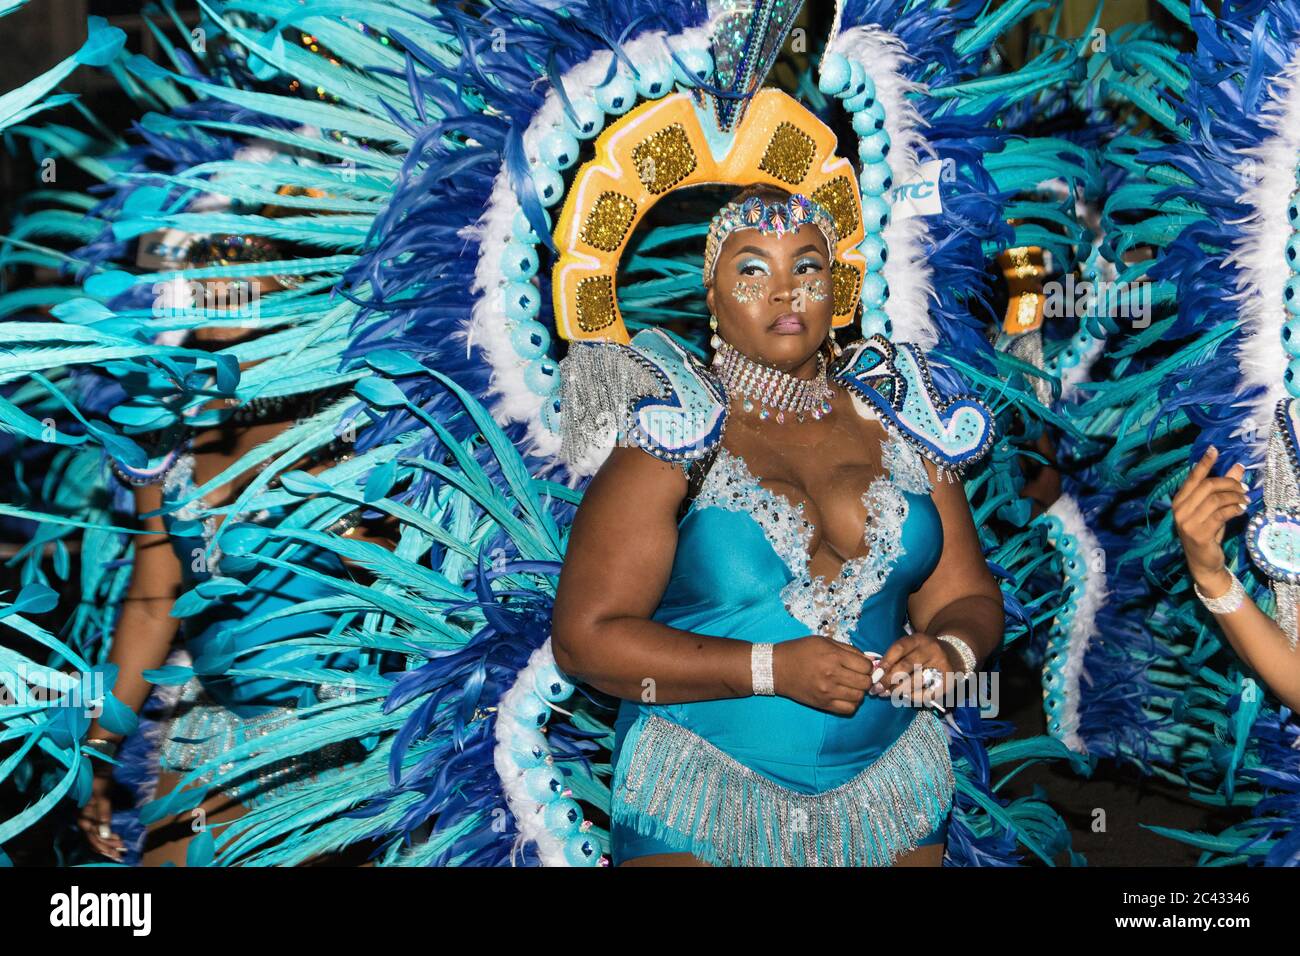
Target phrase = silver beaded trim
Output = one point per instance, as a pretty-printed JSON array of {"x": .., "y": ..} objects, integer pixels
[
  {"x": 833, "y": 608},
  {"x": 760, "y": 670},
  {"x": 1227, "y": 603},
  {"x": 920, "y": 424},
  {"x": 964, "y": 649},
  {"x": 827, "y": 607},
  {"x": 180, "y": 482},
  {"x": 731, "y": 486},
  {"x": 676, "y": 785},
  {"x": 905, "y": 466},
  {"x": 200, "y": 730}
]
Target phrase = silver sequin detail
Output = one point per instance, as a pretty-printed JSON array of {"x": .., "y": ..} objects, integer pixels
[
  {"x": 735, "y": 816},
  {"x": 1280, "y": 494},
  {"x": 180, "y": 482},
  {"x": 199, "y": 730},
  {"x": 1028, "y": 347},
  {"x": 831, "y": 608},
  {"x": 730, "y": 485},
  {"x": 906, "y": 467}
]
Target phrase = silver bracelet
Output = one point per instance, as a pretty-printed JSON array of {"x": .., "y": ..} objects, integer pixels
[
  {"x": 760, "y": 670},
  {"x": 967, "y": 655},
  {"x": 100, "y": 745},
  {"x": 1227, "y": 603}
]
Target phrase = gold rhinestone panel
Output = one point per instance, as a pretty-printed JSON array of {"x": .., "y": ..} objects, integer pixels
[
  {"x": 847, "y": 284},
  {"x": 607, "y": 224},
  {"x": 595, "y": 303},
  {"x": 664, "y": 159},
  {"x": 837, "y": 198},
  {"x": 789, "y": 155}
]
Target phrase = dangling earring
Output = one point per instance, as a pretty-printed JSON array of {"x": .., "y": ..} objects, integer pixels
[{"x": 715, "y": 341}]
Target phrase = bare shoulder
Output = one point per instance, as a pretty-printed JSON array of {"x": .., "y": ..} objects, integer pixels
[
  {"x": 623, "y": 540},
  {"x": 633, "y": 475}
]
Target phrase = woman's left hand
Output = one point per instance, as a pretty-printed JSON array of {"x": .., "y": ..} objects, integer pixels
[{"x": 905, "y": 662}]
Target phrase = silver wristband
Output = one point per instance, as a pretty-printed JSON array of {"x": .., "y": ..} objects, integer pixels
[
  {"x": 100, "y": 745},
  {"x": 1227, "y": 603},
  {"x": 967, "y": 655},
  {"x": 760, "y": 670}
]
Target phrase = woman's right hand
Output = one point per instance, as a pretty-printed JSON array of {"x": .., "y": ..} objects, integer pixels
[
  {"x": 97, "y": 813},
  {"x": 822, "y": 673},
  {"x": 1202, "y": 507}
]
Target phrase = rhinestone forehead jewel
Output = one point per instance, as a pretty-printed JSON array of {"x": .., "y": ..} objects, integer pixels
[{"x": 774, "y": 217}]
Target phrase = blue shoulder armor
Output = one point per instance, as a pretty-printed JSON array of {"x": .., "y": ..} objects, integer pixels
[
  {"x": 1273, "y": 534},
  {"x": 651, "y": 394},
  {"x": 686, "y": 419},
  {"x": 895, "y": 380}
]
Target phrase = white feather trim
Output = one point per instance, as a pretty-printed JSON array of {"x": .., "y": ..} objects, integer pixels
[
  {"x": 1269, "y": 176},
  {"x": 907, "y": 270},
  {"x": 487, "y": 326},
  {"x": 1083, "y": 625}
]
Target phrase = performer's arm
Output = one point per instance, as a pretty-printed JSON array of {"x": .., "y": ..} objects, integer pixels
[
  {"x": 143, "y": 636},
  {"x": 1202, "y": 507},
  {"x": 616, "y": 567},
  {"x": 960, "y": 598},
  {"x": 145, "y": 628}
]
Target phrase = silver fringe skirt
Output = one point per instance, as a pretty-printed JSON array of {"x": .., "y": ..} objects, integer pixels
[{"x": 198, "y": 730}]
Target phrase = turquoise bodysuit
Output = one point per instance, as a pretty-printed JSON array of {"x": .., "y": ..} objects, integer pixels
[
  {"x": 216, "y": 711},
  {"x": 767, "y": 780}
]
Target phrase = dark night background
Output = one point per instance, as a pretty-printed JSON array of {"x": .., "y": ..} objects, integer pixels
[{"x": 40, "y": 35}]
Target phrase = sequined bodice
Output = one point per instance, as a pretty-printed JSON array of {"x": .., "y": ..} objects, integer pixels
[
  {"x": 741, "y": 571},
  {"x": 833, "y": 606}
]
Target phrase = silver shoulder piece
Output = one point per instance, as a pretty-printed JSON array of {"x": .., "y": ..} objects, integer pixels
[{"x": 650, "y": 394}]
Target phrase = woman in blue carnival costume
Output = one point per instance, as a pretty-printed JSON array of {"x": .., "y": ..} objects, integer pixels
[
  {"x": 228, "y": 377},
  {"x": 216, "y": 711},
  {"x": 754, "y": 742},
  {"x": 429, "y": 143}
]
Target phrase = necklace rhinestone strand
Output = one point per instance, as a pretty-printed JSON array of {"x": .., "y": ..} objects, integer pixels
[{"x": 770, "y": 388}]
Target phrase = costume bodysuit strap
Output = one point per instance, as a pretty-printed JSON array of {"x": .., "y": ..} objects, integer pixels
[{"x": 695, "y": 474}]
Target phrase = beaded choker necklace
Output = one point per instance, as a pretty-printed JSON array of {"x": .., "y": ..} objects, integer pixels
[{"x": 771, "y": 388}]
